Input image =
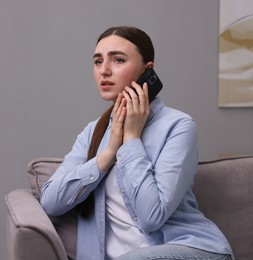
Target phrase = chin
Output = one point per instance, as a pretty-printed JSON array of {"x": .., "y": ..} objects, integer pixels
[{"x": 108, "y": 97}]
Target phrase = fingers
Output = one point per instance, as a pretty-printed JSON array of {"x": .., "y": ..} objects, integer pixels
[
  {"x": 118, "y": 114},
  {"x": 137, "y": 97},
  {"x": 117, "y": 103},
  {"x": 119, "y": 109},
  {"x": 122, "y": 111},
  {"x": 140, "y": 89}
]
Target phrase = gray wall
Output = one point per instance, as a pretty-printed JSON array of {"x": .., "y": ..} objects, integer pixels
[{"x": 47, "y": 93}]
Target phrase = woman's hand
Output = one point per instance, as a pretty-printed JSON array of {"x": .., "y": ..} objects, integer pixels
[
  {"x": 106, "y": 159},
  {"x": 137, "y": 110},
  {"x": 118, "y": 117}
]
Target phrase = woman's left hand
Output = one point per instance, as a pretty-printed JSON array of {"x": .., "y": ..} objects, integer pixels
[{"x": 138, "y": 109}]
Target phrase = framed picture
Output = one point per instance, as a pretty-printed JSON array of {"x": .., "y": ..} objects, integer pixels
[{"x": 236, "y": 53}]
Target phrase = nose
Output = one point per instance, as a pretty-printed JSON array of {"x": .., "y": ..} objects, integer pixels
[{"x": 105, "y": 69}]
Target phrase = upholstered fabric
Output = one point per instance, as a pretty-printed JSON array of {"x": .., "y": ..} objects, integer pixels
[
  {"x": 39, "y": 171},
  {"x": 31, "y": 235},
  {"x": 224, "y": 191},
  {"x": 223, "y": 188}
]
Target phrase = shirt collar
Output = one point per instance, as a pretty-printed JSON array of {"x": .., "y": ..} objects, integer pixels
[{"x": 156, "y": 105}]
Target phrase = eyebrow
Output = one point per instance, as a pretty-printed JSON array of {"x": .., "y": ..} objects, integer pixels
[{"x": 110, "y": 53}]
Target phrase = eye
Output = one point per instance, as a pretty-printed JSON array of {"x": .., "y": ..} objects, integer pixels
[
  {"x": 97, "y": 62},
  {"x": 119, "y": 60}
]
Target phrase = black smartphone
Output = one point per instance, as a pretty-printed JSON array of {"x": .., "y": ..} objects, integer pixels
[{"x": 154, "y": 83}]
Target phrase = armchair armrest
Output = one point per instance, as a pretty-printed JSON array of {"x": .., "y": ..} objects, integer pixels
[{"x": 31, "y": 234}]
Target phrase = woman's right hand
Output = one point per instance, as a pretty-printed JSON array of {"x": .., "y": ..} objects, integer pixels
[{"x": 108, "y": 156}]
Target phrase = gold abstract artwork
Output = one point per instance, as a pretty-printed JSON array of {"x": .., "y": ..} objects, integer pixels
[{"x": 236, "y": 62}]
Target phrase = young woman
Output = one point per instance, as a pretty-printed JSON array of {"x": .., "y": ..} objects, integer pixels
[{"x": 131, "y": 172}]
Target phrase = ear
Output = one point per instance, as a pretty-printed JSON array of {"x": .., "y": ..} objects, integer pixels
[{"x": 149, "y": 65}]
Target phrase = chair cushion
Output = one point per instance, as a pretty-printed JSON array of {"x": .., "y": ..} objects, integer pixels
[
  {"x": 39, "y": 171},
  {"x": 224, "y": 192}
]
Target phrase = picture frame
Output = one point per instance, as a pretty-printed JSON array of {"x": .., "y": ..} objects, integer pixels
[{"x": 236, "y": 54}]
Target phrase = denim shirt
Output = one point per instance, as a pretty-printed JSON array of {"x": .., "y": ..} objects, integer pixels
[{"x": 155, "y": 175}]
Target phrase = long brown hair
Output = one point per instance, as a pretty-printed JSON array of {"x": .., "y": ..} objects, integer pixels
[
  {"x": 145, "y": 47},
  {"x": 99, "y": 131}
]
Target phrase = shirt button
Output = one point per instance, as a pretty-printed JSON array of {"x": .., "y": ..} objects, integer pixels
[
  {"x": 92, "y": 178},
  {"x": 134, "y": 218},
  {"x": 122, "y": 190},
  {"x": 119, "y": 157}
]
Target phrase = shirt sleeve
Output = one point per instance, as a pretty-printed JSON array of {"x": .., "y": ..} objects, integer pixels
[
  {"x": 73, "y": 181},
  {"x": 153, "y": 190}
]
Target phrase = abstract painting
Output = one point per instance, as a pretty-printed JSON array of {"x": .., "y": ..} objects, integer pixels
[{"x": 236, "y": 53}]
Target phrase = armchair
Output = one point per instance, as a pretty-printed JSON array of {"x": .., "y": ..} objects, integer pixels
[{"x": 223, "y": 188}]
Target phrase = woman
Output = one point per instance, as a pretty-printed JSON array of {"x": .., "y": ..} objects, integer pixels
[{"x": 131, "y": 172}]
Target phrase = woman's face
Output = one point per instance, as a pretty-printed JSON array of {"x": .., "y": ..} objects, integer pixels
[{"x": 116, "y": 64}]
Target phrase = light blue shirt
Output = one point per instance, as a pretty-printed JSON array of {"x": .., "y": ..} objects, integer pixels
[{"x": 155, "y": 175}]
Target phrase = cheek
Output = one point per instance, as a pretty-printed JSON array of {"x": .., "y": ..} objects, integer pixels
[
  {"x": 126, "y": 78},
  {"x": 130, "y": 75},
  {"x": 96, "y": 76}
]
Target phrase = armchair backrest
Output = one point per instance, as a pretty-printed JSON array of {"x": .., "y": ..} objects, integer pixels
[{"x": 224, "y": 192}]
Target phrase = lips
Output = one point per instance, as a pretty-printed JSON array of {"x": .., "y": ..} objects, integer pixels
[{"x": 106, "y": 83}]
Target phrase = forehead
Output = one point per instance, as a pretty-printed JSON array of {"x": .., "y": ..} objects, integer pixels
[{"x": 115, "y": 43}]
